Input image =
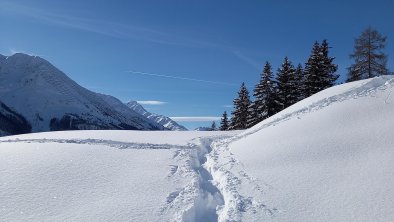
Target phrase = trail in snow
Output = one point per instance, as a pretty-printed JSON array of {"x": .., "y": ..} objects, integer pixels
[
  {"x": 110, "y": 143},
  {"x": 199, "y": 200},
  {"x": 220, "y": 189}
]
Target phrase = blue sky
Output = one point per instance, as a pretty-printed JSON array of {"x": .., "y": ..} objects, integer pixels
[{"x": 189, "y": 56}]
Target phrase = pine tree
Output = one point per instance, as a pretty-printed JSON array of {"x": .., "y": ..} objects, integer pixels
[
  {"x": 213, "y": 126},
  {"x": 241, "y": 112},
  {"x": 224, "y": 125},
  {"x": 264, "y": 92},
  {"x": 300, "y": 83},
  {"x": 251, "y": 120},
  {"x": 329, "y": 68},
  {"x": 286, "y": 85},
  {"x": 319, "y": 70},
  {"x": 313, "y": 72},
  {"x": 369, "y": 59}
]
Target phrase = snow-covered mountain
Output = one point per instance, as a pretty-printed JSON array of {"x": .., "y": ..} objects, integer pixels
[
  {"x": 49, "y": 100},
  {"x": 167, "y": 122}
]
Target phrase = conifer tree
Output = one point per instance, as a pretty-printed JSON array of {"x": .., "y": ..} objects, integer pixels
[
  {"x": 224, "y": 125},
  {"x": 300, "y": 83},
  {"x": 241, "y": 109},
  {"x": 313, "y": 72},
  {"x": 286, "y": 85},
  {"x": 320, "y": 72},
  {"x": 369, "y": 60},
  {"x": 329, "y": 68},
  {"x": 213, "y": 126},
  {"x": 264, "y": 105}
]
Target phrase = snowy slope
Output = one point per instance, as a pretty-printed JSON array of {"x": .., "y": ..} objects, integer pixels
[
  {"x": 329, "y": 157},
  {"x": 167, "y": 122},
  {"x": 50, "y": 100},
  {"x": 107, "y": 176}
]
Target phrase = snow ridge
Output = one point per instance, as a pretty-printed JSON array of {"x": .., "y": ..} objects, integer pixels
[
  {"x": 167, "y": 122},
  {"x": 319, "y": 101},
  {"x": 110, "y": 143}
]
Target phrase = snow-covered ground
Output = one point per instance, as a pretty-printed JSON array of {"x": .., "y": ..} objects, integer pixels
[
  {"x": 107, "y": 176},
  {"x": 329, "y": 157}
]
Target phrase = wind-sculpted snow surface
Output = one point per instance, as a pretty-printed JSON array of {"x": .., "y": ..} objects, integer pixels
[
  {"x": 108, "y": 176},
  {"x": 329, "y": 157}
]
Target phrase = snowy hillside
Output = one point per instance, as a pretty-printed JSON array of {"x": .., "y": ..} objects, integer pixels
[
  {"x": 49, "y": 100},
  {"x": 167, "y": 122},
  {"x": 329, "y": 157}
]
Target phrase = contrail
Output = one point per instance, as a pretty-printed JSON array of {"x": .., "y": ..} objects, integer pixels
[{"x": 181, "y": 78}]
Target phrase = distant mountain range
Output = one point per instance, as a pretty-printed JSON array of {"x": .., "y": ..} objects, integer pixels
[
  {"x": 35, "y": 96},
  {"x": 163, "y": 120}
]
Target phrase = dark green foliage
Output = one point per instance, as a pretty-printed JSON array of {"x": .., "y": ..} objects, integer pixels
[
  {"x": 213, "y": 126},
  {"x": 75, "y": 122},
  {"x": 241, "y": 112},
  {"x": 224, "y": 124},
  {"x": 12, "y": 122},
  {"x": 369, "y": 60},
  {"x": 264, "y": 105},
  {"x": 286, "y": 85},
  {"x": 300, "y": 83},
  {"x": 320, "y": 72}
]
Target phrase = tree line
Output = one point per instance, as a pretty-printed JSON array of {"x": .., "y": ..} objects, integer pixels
[{"x": 294, "y": 83}]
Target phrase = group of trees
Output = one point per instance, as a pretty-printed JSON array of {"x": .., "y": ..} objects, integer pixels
[{"x": 292, "y": 84}]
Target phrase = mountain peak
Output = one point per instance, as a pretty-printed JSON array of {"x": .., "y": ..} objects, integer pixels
[{"x": 163, "y": 120}]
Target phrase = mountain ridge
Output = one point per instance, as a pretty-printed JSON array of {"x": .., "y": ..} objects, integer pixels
[{"x": 50, "y": 100}]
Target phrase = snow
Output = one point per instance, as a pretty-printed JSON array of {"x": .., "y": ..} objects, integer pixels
[
  {"x": 106, "y": 176},
  {"x": 167, "y": 122},
  {"x": 329, "y": 157}
]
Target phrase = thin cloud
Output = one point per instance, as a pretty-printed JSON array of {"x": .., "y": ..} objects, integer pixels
[
  {"x": 228, "y": 106},
  {"x": 104, "y": 27},
  {"x": 151, "y": 102},
  {"x": 181, "y": 78},
  {"x": 195, "y": 118},
  {"x": 247, "y": 59}
]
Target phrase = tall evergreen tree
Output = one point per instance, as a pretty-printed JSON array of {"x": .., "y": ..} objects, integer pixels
[
  {"x": 312, "y": 72},
  {"x": 286, "y": 85},
  {"x": 329, "y": 68},
  {"x": 264, "y": 105},
  {"x": 369, "y": 59},
  {"x": 320, "y": 72},
  {"x": 224, "y": 124},
  {"x": 300, "y": 83},
  {"x": 241, "y": 109}
]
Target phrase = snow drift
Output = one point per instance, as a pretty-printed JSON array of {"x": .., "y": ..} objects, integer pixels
[{"x": 329, "y": 157}]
